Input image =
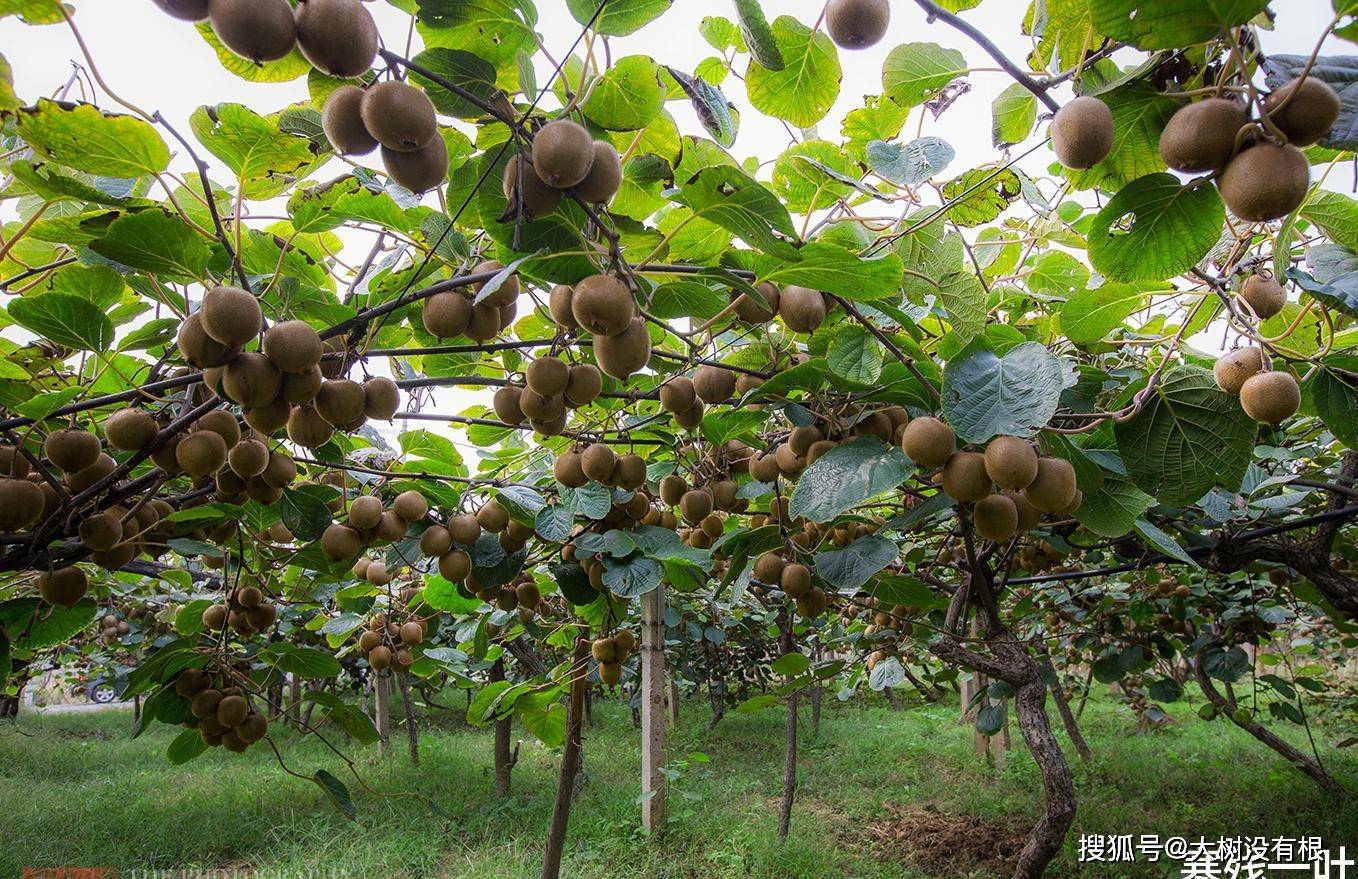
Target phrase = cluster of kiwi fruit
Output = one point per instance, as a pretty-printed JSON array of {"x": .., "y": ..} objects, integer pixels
[
  {"x": 806, "y": 444},
  {"x": 481, "y": 316},
  {"x": 701, "y": 507},
  {"x": 1039, "y": 557},
  {"x": 781, "y": 570},
  {"x": 23, "y": 500},
  {"x": 551, "y": 386},
  {"x": 611, "y": 652},
  {"x": 396, "y": 117},
  {"x": 603, "y": 306},
  {"x": 222, "y": 714},
  {"x": 598, "y": 462},
  {"x": 564, "y": 158},
  {"x": 522, "y": 596},
  {"x": 1259, "y": 178},
  {"x": 112, "y": 629},
  {"x": 1029, "y": 485},
  {"x": 368, "y": 522},
  {"x": 389, "y": 644},
  {"x": 246, "y": 610},
  {"x": 1269, "y": 396}
]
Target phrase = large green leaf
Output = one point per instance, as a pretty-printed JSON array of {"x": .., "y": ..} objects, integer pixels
[
  {"x": 1113, "y": 508},
  {"x": 917, "y": 72},
  {"x": 964, "y": 299},
  {"x": 833, "y": 269},
  {"x": 1063, "y": 31},
  {"x": 619, "y": 17},
  {"x": 804, "y": 90},
  {"x": 980, "y": 195},
  {"x": 66, "y": 319},
  {"x": 853, "y": 566},
  {"x": 265, "y": 159},
  {"x": 848, "y": 475},
  {"x": 855, "y": 355},
  {"x": 735, "y": 201},
  {"x": 986, "y": 395},
  {"x": 1189, "y": 437},
  {"x": 910, "y": 164},
  {"x": 1013, "y": 114},
  {"x": 33, "y": 626},
  {"x": 1090, "y": 315},
  {"x": 156, "y": 242},
  {"x": 86, "y": 139},
  {"x": 628, "y": 97},
  {"x": 1155, "y": 228},
  {"x": 1333, "y": 394},
  {"x": 759, "y": 39},
  {"x": 463, "y": 69},
  {"x": 1170, "y": 24},
  {"x": 628, "y": 578}
]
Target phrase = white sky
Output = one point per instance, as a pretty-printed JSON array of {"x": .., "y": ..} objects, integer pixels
[{"x": 161, "y": 64}]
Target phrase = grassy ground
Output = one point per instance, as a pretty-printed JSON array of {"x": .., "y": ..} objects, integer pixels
[{"x": 882, "y": 793}]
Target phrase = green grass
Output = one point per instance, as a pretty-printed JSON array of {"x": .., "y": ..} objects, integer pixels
[{"x": 75, "y": 790}]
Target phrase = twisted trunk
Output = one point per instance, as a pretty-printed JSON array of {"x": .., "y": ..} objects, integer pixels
[
  {"x": 504, "y": 758},
  {"x": 570, "y": 765},
  {"x": 1063, "y": 706},
  {"x": 412, "y": 727},
  {"x": 790, "y": 739}
]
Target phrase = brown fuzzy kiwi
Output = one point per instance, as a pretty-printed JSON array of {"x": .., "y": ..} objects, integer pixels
[
  {"x": 691, "y": 417},
  {"x": 13, "y": 464},
  {"x": 201, "y": 453},
  {"x": 492, "y": 516},
  {"x": 293, "y": 346},
  {"x": 928, "y": 442},
  {"x": 455, "y": 565},
  {"x": 1265, "y": 182},
  {"x": 249, "y": 458},
  {"x": 411, "y": 506},
  {"x": 548, "y": 375},
  {"x": 338, "y": 37},
  {"x": 340, "y": 542},
  {"x": 757, "y": 311},
  {"x": 802, "y": 438},
  {"x": 563, "y": 153},
  {"x": 381, "y": 398},
  {"x": 63, "y": 587},
  {"x": 1270, "y": 397},
  {"x": 21, "y": 504},
  {"x": 365, "y": 512},
  {"x": 604, "y": 177},
  {"x": 764, "y": 468},
  {"x": 251, "y": 380},
  {"x": 506, "y": 403},
  {"x": 342, "y": 121},
  {"x": 626, "y": 353},
  {"x": 308, "y": 428},
  {"x": 1234, "y": 368},
  {"x": 995, "y": 517},
  {"x": 436, "y": 541},
  {"x": 71, "y": 449},
  {"x": 400, "y": 116},
  {"x": 418, "y": 170},
  {"x": 231, "y": 711},
  {"x": 465, "y": 528},
  {"x": 447, "y": 314},
  {"x": 1303, "y": 109},
  {"x": 1082, "y": 132},
  {"x": 341, "y": 402},
  {"x": 231, "y": 315},
  {"x": 789, "y": 462},
  {"x": 198, "y": 347},
  {"x": 857, "y": 24},
  {"x": 874, "y": 424},
  {"x": 1011, "y": 462},
  {"x": 672, "y": 489},
  {"x": 768, "y": 568},
  {"x": 584, "y": 384},
  {"x": 268, "y": 419},
  {"x": 559, "y": 303},
  {"x": 1265, "y": 296},
  {"x": 281, "y": 471},
  {"x": 185, "y": 10},
  {"x": 795, "y": 580},
  {"x": 378, "y": 574},
  {"x": 1054, "y": 486},
  {"x": 259, "y": 490},
  {"x": 340, "y": 360},
  {"x": 485, "y": 323},
  {"x": 164, "y": 456},
  {"x": 222, "y": 423},
  {"x": 598, "y": 462},
  {"x": 538, "y": 199},
  {"x": 1028, "y": 515},
  {"x": 678, "y": 394},
  {"x": 116, "y": 558},
  {"x": 131, "y": 429},
  {"x": 540, "y": 409},
  {"x": 603, "y": 305},
  {"x": 801, "y": 308},
  {"x": 1201, "y": 137},
  {"x": 391, "y": 527},
  {"x": 568, "y": 471},
  {"x": 964, "y": 477},
  {"x": 505, "y": 294},
  {"x": 83, "y": 480},
  {"x": 258, "y": 30},
  {"x": 695, "y": 505},
  {"x": 101, "y": 531},
  {"x": 253, "y": 728},
  {"x": 714, "y": 384},
  {"x": 630, "y": 474}
]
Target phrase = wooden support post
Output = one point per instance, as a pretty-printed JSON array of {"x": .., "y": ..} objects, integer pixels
[
  {"x": 672, "y": 705},
  {"x": 653, "y": 709},
  {"x": 382, "y": 710}
]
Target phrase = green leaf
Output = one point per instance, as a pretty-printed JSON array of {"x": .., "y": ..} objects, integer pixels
[
  {"x": 86, "y": 139},
  {"x": 331, "y": 205},
  {"x": 1228, "y": 664},
  {"x": 759, "y": 38},
  {"x": 714, "y": 111},
  {"x": 850, "y": 568},
  {"x": 1163, "y": 542},
  {"x": 337, "y": 792},
  {"x": 732, "y": 199},
  {"x": 1187, "y": 438},
  {"x": 910, "y": 164},
  {"x": 1063, "y": 31},
  {"x": 64, "y": 318},
  {"x": 1112, "y": 509},
  {"x": 848, "y": 475},
  {"x": 1334, "y": 397},
  {"x": 1155, "y": 228},
  {"x": 980, "y": 195},
  {"x": 620, "y": 17},
  {"x": 1013, "y": 113},
  {"x": 462, "y": 69},
  {"x": 290, "y": 67},
  {"x": 806, "y": 87},
  {"x": 1170, "y": 24},
  {"x": 629, "y": 578},
  {"x": 306, "y": 511},
  {"x": 155, "y": 242},
  {"x": 185, "y": 747},
  {"x": 855, "y": 355},
  {"x": 789, "y": 665},
  {"x": 553, "y": 524},
  {"x": 918, "y": 72},
  {"x": 1090, "y": 315},
  {"x": 832, "y": 269},
  {"x": 1166, "y": 690},
  {"x": 986, "y": 395},
  {"x": 265, "y": 159},
  {"x": 444, "y": 595},
  {"x": 991, "y": 718},
  {"x": 964, "y": 299},
  {"x": 628, "y": 97},
  {"x": 307, "y": 662}
]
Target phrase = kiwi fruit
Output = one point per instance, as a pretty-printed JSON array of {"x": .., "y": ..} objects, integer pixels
[
  {"x": 342, "y": 121},
  {"x": 280, "y": 472},
  {"x": 447, "y": 314},
  {"x": 1011, "y": 462},
  {"x": 768, "y": 568},
  {"x": 466, "y": 529},
  {"x": 130, "y": 430},
  {"x": 271, "y": 417},
  {"x": 222, "y": 423},
  {"x": 1270, "y": 397},
  {"x": 13, "y": 464},
  {"x": 293, "y": 346},
  {"x": 1201, "y": 136},
  {"x": 801, "y": 308},
  {"x": 198, "y": 347},
  {"x": 583, "y": 384},
  {"x": 83, "y": 480},
  {"x": 563, "y": 153},
  {"x": 1082, "y": 133},
  {"x": 678, "y": 394},
  {"x": 21, "y": 504},
  {"x": 547, "y": 376},
  {"x": 201, "y": 453},
  {"x": 251, "y": 380},
  {"x": 308, "y": 428},
  {"x": 1052, "y": 490},
  {"x": 603, "y": 305},
  {"x": 626, "y": 353},
  {"x": 521, "y": 184},
  {"x": 253, "y": 728},
  {"x": 338, "y": 37},
  {"x": 436, "y": 541},
  {"x": 1264, "y": 295},
  {"x": 604, "y": 177},
  {"x": 70, "y": 449},
  {"x": 505, "y": 294},
  {"x": 340, "y": 542},
  {"x": 928, "y": 442},
  {"x": 410, "y": 505},
  {"x": 365, "y": 512},
  {"x": 114, "y": 559},
  {"x": 391, "y": 527},
  {"x": 857, "y": 24},
  {"x": 455, "y": 566},
  {"x": 1028, "y": 515},
  {"x": 484, "y": 323},
  {"x": 257, "y": 30},
  {"x": 185, "y": 10},
  {"x": 695, "y": 505},
  {"x": 101, "y": 531},
  {"x": 249, "y": 458},
  {"x": 1234, "y": 368},
  {"x": 540, "y": 409},
  {"x": 795, "y": 580},
  {"x": 756, "y": 311},
  {"x": 995, "y": 517},
  {"x": 559, "y": 304},
  {"x": 231, "y": 316},
  {"x": 492, "y": 516},
  {"x": 714, "y": 384},
  {"x": 568, "y": 470},
  {"x": 1303, "y": 109},
  {"x": 598, "y": 462},
  {"x": 418, "y": 170},
  {"x": 231, "y": 711},
  {"x": 1265, "y": 182},
  {"x": 964, "y": 477},
  {"x": 630, "y": 473},
  {"x": 341, "y": 402},
  {"x": 506, "y": 403},
  {"x": 399, "y": 116},
  {"x": 604, "y": 650}
]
